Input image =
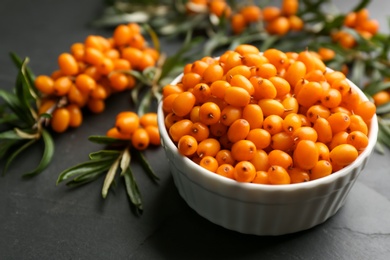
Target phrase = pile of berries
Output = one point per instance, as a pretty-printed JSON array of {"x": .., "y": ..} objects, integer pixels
[
  {"x": 90, "y": 72},
  {"x": 270, "y": 117},
  {"x": 140, "y": 131}
]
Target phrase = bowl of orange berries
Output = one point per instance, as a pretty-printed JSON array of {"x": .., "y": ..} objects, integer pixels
[{"x": 265, "y": 143}]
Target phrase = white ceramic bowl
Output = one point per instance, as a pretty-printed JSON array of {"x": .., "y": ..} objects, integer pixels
[{"x": 262, "y": 209}]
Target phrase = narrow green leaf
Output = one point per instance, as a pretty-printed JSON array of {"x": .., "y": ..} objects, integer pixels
[
  {"x": 86, "y": 177},
  {"x": 132, "y": 190},
  {"x": 47, "y": 155},
  {"x": 375, "y": 87},
  {"x": 146, "y": 166},
  {"x": 10, "y": 134},
  {"x": 104, "y": 154},
  {"x": 383, "y": 109},
  {"x": 15, "y": 105},
  {"x": 86, "y": 167},
  {"x": 18, "y": 151},
  {"x": 28, "y": 73},
  {"x": 110, "y": 177},
  {"x": 358, "y": 72},
  {"x": 125, "y": 161},
  {"x": 8, "y": 119},
  {"x": 99, "y": 139}
]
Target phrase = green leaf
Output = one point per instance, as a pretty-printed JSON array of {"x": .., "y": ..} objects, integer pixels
[
  {"x": 8, "y": 119},
  {"x": 125, "y": 161},
  {"x": 146, "y": 166},
  {"x": 375, "y": 87},
  {"x": 104, "y": 154},
  {"x": 10, "y": 134},
  {"x": 83, "y": 168},
  {"x": 109, "y": 178},
  {"x": 28, "y": 73},
  {"x": 132, "y": 190},
  {"x": 17, "y": 152},
  {"x": 99, "y": 139},
  {"x": 362, "y": 4},
  {"x": 383, "y": 109},
  {"x": 47, "y": 155},
  {"x": 85, "y": 178},
  {"x": 14, "y": 104}
]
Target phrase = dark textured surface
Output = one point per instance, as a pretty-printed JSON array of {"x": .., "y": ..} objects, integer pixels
[{"x": 39, "y": 220}]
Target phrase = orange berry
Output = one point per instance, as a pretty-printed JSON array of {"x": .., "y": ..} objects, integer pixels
[
  {"x": 278, "y": 175},
  {"x": 305, "y": 154},
  {"x": 68, "y": 64},
  {"x": 44, "y": 84},
  {"x": 140, "y": 139},
  {"x": 76, "y": 116},
  {"x": 209, "y": 163},
  {"x": 154, "y": 134},
  {"x": 343, "y": 154},
  {"x": 244, "y": 171},
  {"x": 60, "y": 120}
]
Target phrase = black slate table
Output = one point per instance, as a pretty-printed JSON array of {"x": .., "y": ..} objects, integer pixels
[{"x": 39, "y": 220}]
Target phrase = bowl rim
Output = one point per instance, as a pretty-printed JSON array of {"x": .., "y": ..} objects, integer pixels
[{"x": 373, "y": 133}]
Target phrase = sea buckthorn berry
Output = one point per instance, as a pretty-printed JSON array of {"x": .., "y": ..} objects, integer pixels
[
  {"x": 343, "y": 154},
  {"x": 44, "y": 84},
  {"x": 199, "y": 67},
  {"x": 225, "y": 156},
  {"x": 229, "y": 114},
  {"x": 358, "y": 139},
  {"x": 60, "y": 120},
  {"x": 282, "y": 141},
  {"x": 226, "y": 170},
  {"x": 278, "y": 175},
  {"x": 77, "y": 50},
  {"x": 244, "y": 171},
  {"x": 208, "y": 147},
  {"x": 105, "y": 66},
  {"x": 209, "y": 163},
  {"x": 209, "y": 113},
  {"x": 133, "y": 55},
  {"x": 147, "y": 119},
  {"x": 309, "y": 94},
  {"x": 213, "y": 73},
  {"x": 180, "y": 128},
  {"x": 237, "y": 96},
  {"x": 277, "y": 58},
  {"x": 381, "y": 97},
  {"x": 201, "y": 92},
  {"x": 298, "y": 175},
  {"x": 218, "y": 88},
  {"x": 337, "y": 139},
  {"x": 121, "y": 35},
  {"x": 271, "y": 107},
  {"x": 183, "y": 103},
  {"x": 187, "y": 145},
  {"x": 68, "y": 64},
  {"x": 76, "y": 96},
  {"x": 170, "y": 89},
  {"x": 62, "y": 85},
  {"x": 279, "y": 26},
  {"x": 270, "y": 13},
  {"x": 261, "y": 177},
  {"x": 366, "y": 110},
  {"x": 295, "y": 72},
  {"x": 146, "y": 61},
  {"x": 266, "y": 70},
  {"x": 296, "y": 23},
  {"x": 339, "y": 122},
  {"x": 357, "y": 124},
  {"x": 323, "y": 129},
  {"x": 315, "y": 75},
  {"x": 46, "y": 106},
  {"x": 342, "y": 85},
  {"x": 76, "y": 116},
  {"x": 251, "y": 13},
  {"x": 238, "y": 23},
  {"x": 247, "y": 48},
  {"x": 317, "y": 111},
  {"x": 322, "y": 169},
  {"x": 253, "y": 60},
  {"x": 190, "y": 79},
  {"x": 289, "y": 7},
  {"x": 323, "y": 151},
  {"x": 254, "y": 115},
  {"x": 242, "y": 82},
  {"x": 331, "y": 98},
  {"x": 260, "y": 160},
  {"x": 290, "y": 105},
  {"x": 232, "y": 60},
  {"x": 263, "y": 88},
  {"x": 96, "y": 105},
  {"x": 273, "y": 124},
  {"x": 260, "y": 137},
  {"x": 168, "y": 102},
  {"x": 282, "y": 86},
  {"x": 243, "y": 150},
  {"x": 85, "y": 83},
  {"x": 194, "y": 114},
  {"x": 305, "y": 133},
  {"x": 351, "y": 99},
  {"x": 112, "y": 54},
  {"x": 238, "y": 130},
  {"x": 118, "y": 81},
  {"x": 305, "y": 154},
  {"x": 99, "y": 92},
  {"x": 220, "y": 8},
  {"x": 93, "y": 56},
  {"x": 140, "y": 139},
  {"x": 127, "y": 122},
  {"x": 154, "y": 134},
  {"x": 114, "y": 133},
  {"x": 239, "y": 70},
  {"x": 281, "y": 158},
  {"x": 291, "y": 122},
  {"x": 170, "y": 119}
]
